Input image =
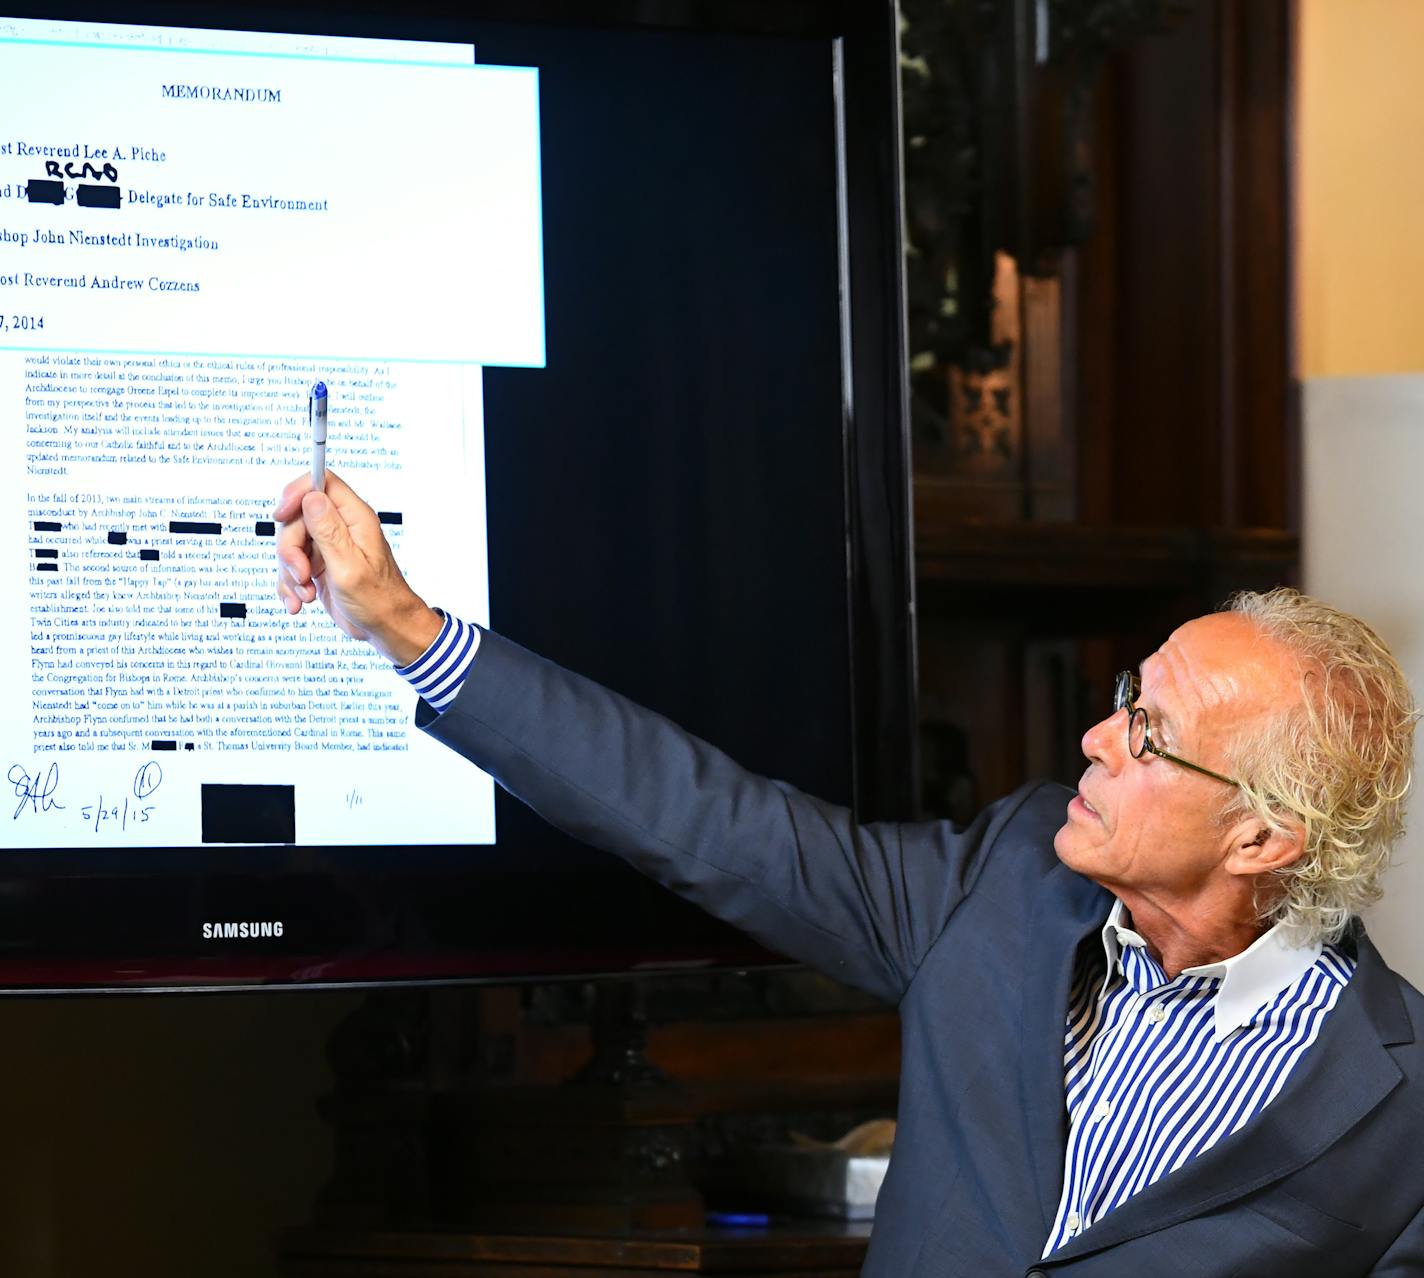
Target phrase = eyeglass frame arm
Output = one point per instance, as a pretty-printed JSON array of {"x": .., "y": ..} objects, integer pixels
[
  {"x": 1151, "y": 747},
  {"x": 1127, "y": 686}
]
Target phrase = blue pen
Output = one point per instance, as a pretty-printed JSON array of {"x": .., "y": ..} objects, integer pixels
[{"x": 316, "y": 415}]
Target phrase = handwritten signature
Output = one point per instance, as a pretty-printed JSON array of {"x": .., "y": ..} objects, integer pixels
[{"x": 34, "y": 792}]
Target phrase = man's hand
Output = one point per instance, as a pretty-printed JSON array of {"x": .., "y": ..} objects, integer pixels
[{"x": 331, "y": 548}]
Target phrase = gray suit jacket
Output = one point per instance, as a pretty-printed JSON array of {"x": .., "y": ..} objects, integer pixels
[{"x": 973, "y": 932}]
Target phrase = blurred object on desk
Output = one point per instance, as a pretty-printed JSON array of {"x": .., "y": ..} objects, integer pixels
[{"x": 839, "y": 1178}]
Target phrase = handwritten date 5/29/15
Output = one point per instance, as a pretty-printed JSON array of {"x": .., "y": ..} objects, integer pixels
[
  {"x": 128, "y": 810},
  {"x": 38, "y": 793},
  {"x": 126, "y": 813}
]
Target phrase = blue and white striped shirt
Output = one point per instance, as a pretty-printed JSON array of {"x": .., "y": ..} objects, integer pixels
[
  {"x": 439, "y": 672},
  {"x": 1156, "y": 1072}
]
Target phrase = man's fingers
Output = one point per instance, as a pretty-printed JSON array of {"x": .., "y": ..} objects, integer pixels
[
  {"x": 302, "y": 588},
  {"x": 331, "y": 538},
  {"x": 292, "y": 593},
  {"x": 289, "y": 504},
  {"x": 293, "y": 553},
  {"x": 295, "y": 586},
  {"x": 292, "y": 556},
  {"x": 362, "y": 523}
]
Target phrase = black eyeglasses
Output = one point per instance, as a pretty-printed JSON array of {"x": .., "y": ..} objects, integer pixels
[{"x": 1139, "y": 732}]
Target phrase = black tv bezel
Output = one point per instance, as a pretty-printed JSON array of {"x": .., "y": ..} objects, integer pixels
[{"x": 97, "y": 947}]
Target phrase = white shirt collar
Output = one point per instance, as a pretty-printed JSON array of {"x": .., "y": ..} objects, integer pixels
[{"x": 1248, "y": 981}]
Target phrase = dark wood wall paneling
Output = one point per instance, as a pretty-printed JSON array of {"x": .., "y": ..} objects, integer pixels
[
  {"x": 1177, "y": 428},
  {"x": 1183, "y": 316}
]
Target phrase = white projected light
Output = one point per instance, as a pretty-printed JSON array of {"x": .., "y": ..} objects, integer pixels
[{"x": 245, "y": 215}]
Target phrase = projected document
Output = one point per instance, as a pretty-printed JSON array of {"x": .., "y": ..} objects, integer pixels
[
  {"x": 195, "y": 227},
  {"x": 293, "y": 206}
]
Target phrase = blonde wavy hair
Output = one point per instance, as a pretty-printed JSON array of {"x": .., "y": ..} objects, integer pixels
[{"x": 1338, "y": 761}]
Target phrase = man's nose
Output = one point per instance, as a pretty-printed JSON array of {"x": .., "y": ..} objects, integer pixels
[{"x": 1105, "y": 742}]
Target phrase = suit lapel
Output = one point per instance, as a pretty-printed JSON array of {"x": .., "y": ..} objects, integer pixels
[
  {"x": 1346, "y": 1073},
  {"x": 1068, "y": 909}
]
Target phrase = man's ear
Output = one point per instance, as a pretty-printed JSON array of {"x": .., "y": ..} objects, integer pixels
[{"x": 1256, "y": 848}]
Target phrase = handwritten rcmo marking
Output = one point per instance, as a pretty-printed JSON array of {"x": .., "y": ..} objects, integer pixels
[{"x": 54, "y": 169}]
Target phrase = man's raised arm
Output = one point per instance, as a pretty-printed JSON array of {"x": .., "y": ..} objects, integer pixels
[{"x": 862, "y": 902}]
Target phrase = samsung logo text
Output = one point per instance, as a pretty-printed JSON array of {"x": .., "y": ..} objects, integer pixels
[{"x": 240, "y": 931}]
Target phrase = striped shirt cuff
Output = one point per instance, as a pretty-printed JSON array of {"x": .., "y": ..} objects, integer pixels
[{"x": 439, "y": 672}]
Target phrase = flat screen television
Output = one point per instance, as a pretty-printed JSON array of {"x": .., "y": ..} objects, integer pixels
[{"x": 608, "y": 299}]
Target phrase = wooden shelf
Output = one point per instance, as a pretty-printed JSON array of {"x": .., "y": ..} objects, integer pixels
[
  {"x": 1103, "y": 558},
  {"x": 803, "y": 1250}
]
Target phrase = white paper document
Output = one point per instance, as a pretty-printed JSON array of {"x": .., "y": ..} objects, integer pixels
[
  {"x": 188, "y": 240},
  {"x": 283, "y": 205}
]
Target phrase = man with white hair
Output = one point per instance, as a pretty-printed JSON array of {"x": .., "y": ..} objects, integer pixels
[{"x": 1168, "y": 1049}]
